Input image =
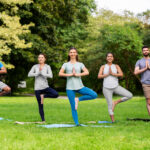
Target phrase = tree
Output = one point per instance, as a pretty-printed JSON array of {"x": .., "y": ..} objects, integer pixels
[
  {"x": 11, "y": 29},
  {"x": 59, "y": 25},
  {"x": 11, "y": 43}
]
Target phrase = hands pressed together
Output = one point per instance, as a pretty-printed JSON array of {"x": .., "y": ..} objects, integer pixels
[
  {"x": 74, "y": 73},
  {"x": 147, "y": 65}
]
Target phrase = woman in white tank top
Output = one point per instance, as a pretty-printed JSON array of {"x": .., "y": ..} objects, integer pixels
[{"x": 110, "y": 73}]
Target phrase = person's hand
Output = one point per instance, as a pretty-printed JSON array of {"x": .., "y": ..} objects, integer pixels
[
  {"x": 73, "y": 71},
  {"x": 77, "y": 75},
  {"x": 40, "y": 68},
  {"x": 110, "y": 72},
  {"x": 70, "y": 75},
  {"x": 147, "y": 64}
]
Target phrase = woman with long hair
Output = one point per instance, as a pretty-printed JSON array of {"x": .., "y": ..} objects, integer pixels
[
  {"x": 110, "y": 73},
  {"x": 41, "y": 72},
  {"x": 73, "y": 70}
]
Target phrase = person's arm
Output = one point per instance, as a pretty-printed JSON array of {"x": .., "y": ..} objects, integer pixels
[
  {"x": 84, "y": 73},
  {"x": 100, "y": 74},
  {"x": 119, "y": 72},
  {"x": 63, "y": 74},
  {"x": 137, "y": 69},
  {"x": 33, "y": 73},
  {"x": 48, "y": 74},
  {"x": 3, "y": 70}
]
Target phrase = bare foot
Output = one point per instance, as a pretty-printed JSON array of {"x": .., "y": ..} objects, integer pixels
[
  {"x": 42, "y": 98},
  {"x": 42, "y": 122},
  {"x": 76, "y": 103}
]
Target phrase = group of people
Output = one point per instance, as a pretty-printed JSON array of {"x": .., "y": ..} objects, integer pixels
[{"x": 73, "y": 70}]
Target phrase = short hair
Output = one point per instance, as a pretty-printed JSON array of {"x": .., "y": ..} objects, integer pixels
[{"x": 145, "y": 46}]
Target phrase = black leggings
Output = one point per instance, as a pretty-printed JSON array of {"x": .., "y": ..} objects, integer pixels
[{"x": 48, "y": 93}]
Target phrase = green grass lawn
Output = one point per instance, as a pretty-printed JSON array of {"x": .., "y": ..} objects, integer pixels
[{"x": 123, "y": 135}]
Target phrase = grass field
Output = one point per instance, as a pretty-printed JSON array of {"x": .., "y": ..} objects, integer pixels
[{"x": 123, "y": 135}]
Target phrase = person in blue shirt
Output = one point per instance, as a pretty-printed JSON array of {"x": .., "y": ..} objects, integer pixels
[
  {"x": 143, "y": 67},
  {"x": 4, "y": 88}
]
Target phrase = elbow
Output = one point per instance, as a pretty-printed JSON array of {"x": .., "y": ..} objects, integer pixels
[
  {"x": 59, "y": 74},
  {"x": 29, "y": 75},
  {"x": 87, "y": 73},
  {"x": 99, "y": 77}
]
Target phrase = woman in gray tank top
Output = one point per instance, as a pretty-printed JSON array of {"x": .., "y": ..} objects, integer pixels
[{"x": 110, "y": 73}]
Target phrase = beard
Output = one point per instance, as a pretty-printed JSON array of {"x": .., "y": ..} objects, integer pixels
[{"x": 145, "y": 55}]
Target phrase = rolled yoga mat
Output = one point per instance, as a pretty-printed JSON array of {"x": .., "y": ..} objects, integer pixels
[{"x": 139, "y": 119}]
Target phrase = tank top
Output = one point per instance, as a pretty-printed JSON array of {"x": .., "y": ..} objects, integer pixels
[{"x": 110, "y": 81}]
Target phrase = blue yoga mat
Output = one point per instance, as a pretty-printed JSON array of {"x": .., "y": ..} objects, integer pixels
[
  {"x": 104, "y": 122},
  {"x": 4, "y": 119},
  {"x": 69, "y": 125},
  {"x": 1, "y": 118}
]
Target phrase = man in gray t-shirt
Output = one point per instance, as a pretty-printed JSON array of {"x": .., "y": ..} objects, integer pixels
[{"x": 143, "y": 67}]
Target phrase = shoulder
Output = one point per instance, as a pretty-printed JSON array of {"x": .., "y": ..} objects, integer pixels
[
  {"x": 140, "y": 61},
  {"x": 36, "y": 65},
  {"x": 117, "y": 66},
  {"x": 80, "y": 63},
  {"x": 102, "y": 67},
  {"x": 66, "y": 63},
  {"x": 47, "y": 65}
]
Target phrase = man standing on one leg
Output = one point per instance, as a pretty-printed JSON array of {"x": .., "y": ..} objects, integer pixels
[
  {"x": 5, "y": 89},
  {"x": 143, "y": 67}
]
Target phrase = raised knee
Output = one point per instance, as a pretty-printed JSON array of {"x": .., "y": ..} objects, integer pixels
[
  {"x": 130, "y": 96},
  {"x": 94, "y": 95},
  {"x": 56, "y": 95},
  {"x": 7, "y": 89}
]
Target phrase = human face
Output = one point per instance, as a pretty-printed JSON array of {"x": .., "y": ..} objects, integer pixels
[
  {"x": 110, "y": 58},
  {"x": 41, "y": 59},
  {"x": 73, "y": 54},
  {"x": 145, "y": 52}
]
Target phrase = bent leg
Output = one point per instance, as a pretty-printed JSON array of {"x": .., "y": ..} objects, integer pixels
[
  {"x": 50, "y": 93},
  {"x": 41, "y": 110},
  {"x": 71, "y": 96},
  {"x": 5, "y": 89},
  {"x": 123, "y": 92},
  {"x": 87, "y": 93}
]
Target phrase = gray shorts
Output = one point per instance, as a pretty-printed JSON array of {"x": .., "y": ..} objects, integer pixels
[{"x": 2, "y": 85}]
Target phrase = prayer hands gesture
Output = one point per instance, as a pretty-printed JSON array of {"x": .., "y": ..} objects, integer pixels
[
  {"x": 147, "y": 64},
  {"x": 40, "y": 68},
  {"x": 110, "y": 71},
  {"x": 74, "y": 73}
]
